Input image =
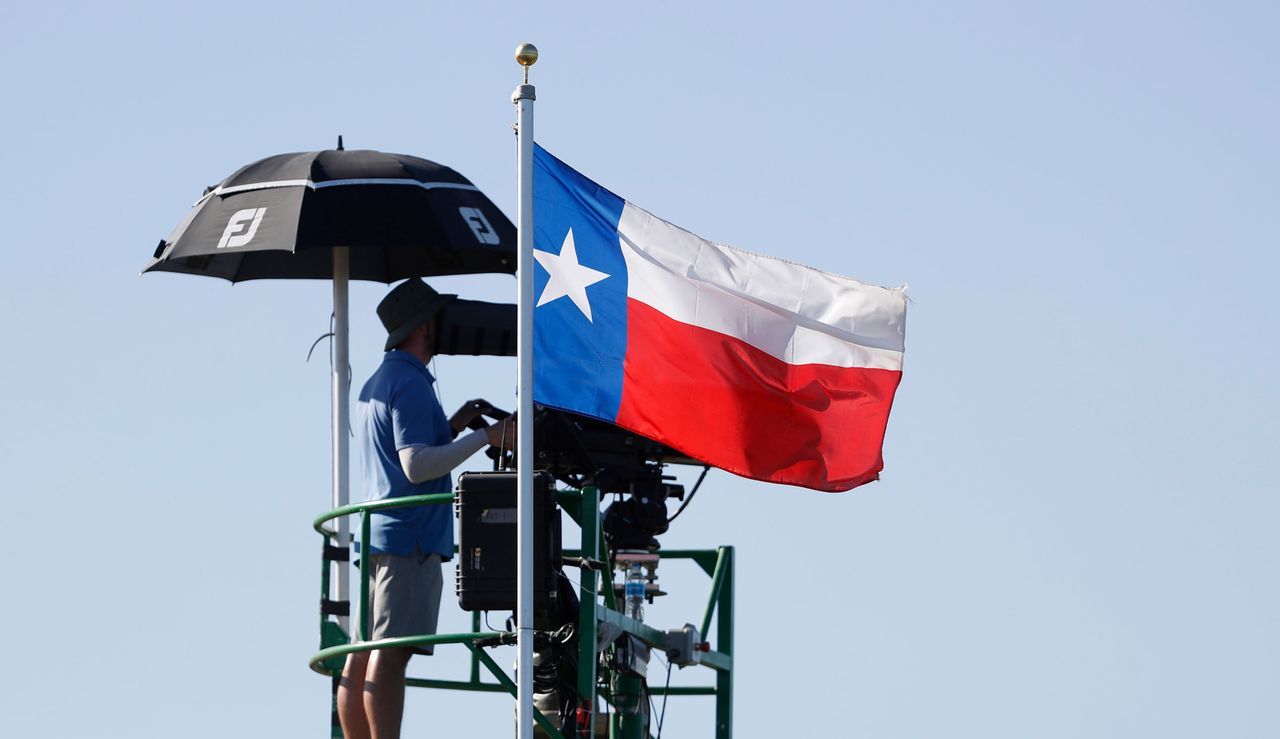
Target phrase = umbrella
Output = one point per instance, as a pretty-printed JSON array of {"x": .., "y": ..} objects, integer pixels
[
  {"x": 341, "y": 215},
  {"x": 281, "y": 217}
]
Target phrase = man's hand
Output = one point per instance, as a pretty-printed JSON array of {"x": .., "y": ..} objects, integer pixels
[
  {"x": 471, "y": 415},
  {"x": 503, "y": 433}
]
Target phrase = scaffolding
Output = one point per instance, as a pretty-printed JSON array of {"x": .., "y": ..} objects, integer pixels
[{"x": 622, "y": 690}]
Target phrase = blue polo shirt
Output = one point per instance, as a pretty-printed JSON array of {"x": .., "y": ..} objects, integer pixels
[{"x": 398, "y": 408}]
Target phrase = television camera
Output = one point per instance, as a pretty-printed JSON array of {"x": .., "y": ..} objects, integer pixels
[
  {"x": 575, "y": 449},
  {"x": 579, "y": 452}
]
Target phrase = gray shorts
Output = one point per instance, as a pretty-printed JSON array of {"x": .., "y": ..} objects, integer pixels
[{"x": 404, "y": 596}]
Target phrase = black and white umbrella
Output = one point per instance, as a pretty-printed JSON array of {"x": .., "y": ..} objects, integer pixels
[
  {"x": 281, "y": 217},
  {"x": 342, "y": 215}
]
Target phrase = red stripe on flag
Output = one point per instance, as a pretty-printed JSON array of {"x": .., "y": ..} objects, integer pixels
[{"x": 725, "y": 402}]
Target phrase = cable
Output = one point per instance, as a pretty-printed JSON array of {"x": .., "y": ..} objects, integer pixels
[
  {"x": 689, "y": 498},
  {"x": 437, "y": 385},
  {"x": 665, "y": 694},
  {"x": 332, "y": 335},
  {"x": 499, "y": 453},
  {"x": 571, "y": 581},
  {"x": 317, "y": 343}
]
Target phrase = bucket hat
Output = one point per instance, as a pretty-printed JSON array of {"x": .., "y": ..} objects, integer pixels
[{"x": 408, "y": 306}]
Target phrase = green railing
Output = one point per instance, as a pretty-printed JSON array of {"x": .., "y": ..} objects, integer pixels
[{"x": 618, "y": 689}]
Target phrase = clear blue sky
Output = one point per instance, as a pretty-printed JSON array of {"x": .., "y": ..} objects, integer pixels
[{"x": 1072, "y": 537}]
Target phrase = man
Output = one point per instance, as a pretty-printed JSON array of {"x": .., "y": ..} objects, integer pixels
[{"x": 408, "y": 449}]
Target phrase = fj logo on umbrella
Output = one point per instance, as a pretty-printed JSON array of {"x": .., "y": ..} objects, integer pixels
[
  {"x": 479, "y": 225},
  {"x": 236, "y": 233}
]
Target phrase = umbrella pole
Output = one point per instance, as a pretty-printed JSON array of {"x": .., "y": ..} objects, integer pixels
[{"x": 341, "y": 375}]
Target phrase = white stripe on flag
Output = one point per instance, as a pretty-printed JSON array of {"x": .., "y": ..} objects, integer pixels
[{"x": 797, "y": 314}]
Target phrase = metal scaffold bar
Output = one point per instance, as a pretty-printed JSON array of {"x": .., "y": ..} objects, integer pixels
[
  {"x": 588, "y": 599},
  {"x": 510, "y": 686},
  {"x": 365, "y": 627},
  {"x": 724, "y": 640},
  {"x": 717, "y": 581}
]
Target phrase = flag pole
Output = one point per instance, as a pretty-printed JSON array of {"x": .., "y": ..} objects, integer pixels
[{"x": 523, "y": 97}]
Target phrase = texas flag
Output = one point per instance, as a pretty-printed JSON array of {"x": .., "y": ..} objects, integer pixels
[{"x": 760, "y": 366}]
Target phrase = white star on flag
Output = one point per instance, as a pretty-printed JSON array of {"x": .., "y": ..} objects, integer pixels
[{"x": 568, "y": 278}]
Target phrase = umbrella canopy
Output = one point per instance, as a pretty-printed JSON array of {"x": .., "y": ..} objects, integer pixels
[{"x": 279, "y": 217}]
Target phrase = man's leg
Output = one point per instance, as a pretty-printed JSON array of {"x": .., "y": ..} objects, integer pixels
[
  {"x": 405, "y": 601},
  {"x": 384, "y": 692},
  {"x": 355, "y": 723}
]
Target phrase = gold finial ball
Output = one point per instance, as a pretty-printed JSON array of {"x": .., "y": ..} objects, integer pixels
[{"x": 526, "y": 54}]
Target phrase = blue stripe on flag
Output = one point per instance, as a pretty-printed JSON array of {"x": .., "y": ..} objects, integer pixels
[{"x": 578, "y": 362}]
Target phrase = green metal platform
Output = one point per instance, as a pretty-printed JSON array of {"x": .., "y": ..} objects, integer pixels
[{"x": 599, "y": 606}]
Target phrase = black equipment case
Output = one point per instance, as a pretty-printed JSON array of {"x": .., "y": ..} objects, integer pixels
[{"x": 487, "y": 569}]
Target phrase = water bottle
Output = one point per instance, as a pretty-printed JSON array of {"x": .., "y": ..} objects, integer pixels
[{"x": 635, "y": 592}]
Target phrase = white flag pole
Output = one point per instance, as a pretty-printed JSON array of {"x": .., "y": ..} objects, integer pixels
[{"x": 523, "y": 97}]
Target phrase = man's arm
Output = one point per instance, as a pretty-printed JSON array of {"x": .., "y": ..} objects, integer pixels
[{"x": 421, "y": 462}]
